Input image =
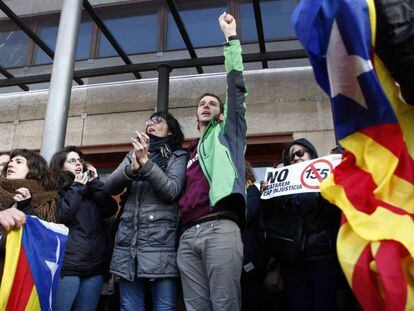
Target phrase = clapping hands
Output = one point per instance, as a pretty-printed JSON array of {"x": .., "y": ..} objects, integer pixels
[{"x": 141, "y": 144}]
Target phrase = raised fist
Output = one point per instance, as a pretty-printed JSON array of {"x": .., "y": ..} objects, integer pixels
[{"x": 227, "y": 24}]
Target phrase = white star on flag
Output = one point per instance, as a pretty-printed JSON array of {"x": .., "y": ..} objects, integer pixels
[
  {"x": 53, "y": 266},
  {"x": 343, "y": 69}
]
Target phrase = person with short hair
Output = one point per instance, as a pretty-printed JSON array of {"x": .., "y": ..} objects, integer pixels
[{"x": 210, "y": 253}]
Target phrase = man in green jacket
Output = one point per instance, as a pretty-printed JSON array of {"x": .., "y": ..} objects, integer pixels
[{"x": 210, "y": 254}]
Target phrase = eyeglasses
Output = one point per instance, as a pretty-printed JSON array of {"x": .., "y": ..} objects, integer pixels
[
  {"x": 73, "y": 161},
  {"x": 299, "y": 153},
  {"x": 154, "y": 120}
]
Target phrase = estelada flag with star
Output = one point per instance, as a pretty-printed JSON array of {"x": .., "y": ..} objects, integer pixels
[
  {"x": 374, "y": 185},
  {"x": 34, "y": 256}
]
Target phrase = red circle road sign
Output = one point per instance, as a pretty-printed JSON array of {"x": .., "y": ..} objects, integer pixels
[{"x": 315, "y": 173}]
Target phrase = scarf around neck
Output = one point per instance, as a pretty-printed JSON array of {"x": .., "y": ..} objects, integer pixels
[
  {"x": 43, "y": 202},
  {"x": 161, "y": 150}
]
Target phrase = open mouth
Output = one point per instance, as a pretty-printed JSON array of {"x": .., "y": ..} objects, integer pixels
[
  {"x": 10, "y": 172},
  {"x": 151, "y": 129}
]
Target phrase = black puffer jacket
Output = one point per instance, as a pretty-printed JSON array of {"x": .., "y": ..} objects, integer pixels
[
  {"x": 318, "y": 218},
  {"x": 82, "y": 209}
]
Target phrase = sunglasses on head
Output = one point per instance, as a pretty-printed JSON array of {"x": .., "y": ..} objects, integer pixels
[{"x": 154, "y": 120}]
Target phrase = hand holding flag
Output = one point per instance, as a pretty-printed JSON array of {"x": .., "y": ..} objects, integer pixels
[{"x": 34, "y": 255}]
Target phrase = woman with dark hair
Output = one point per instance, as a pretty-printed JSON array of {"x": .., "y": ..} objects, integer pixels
[
  {"x": 25, "y": 186},
  {"x": 28, "y": 183},
  {"x": 145, "y": 244},
  {"x": 83, "y": 203},
  {"x": 301, "y": 232}
]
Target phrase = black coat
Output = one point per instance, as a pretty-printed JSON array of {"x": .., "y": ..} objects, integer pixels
[
  {"x": 254, "y": 258},
  {"x": 307, "y": 218},
  {"x": 82, "y": 208},
  {"x": 319, "y": 221}
]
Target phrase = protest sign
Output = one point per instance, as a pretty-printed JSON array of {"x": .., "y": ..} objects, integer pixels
[{"x": 299, "y": 178}]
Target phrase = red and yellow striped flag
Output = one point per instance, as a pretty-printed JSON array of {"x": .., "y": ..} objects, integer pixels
[{"x": 374, "y": 185}]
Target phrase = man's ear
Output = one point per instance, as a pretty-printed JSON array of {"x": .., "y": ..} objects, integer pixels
[{"x": 220, "y": 119}]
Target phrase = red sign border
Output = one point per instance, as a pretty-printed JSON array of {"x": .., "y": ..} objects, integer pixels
[{"x": 312, "y": 167}]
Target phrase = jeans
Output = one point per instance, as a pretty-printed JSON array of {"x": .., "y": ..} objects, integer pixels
[
  {"x": 210, "y": 259},
  {"x": 81, "y": 293},
  {"x": 164, "y": 294}
]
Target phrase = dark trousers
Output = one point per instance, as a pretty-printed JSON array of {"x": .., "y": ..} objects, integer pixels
[{"x": 311, "y": 285}]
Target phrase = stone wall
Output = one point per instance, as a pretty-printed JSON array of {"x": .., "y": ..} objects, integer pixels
[{"x": 280, "y": 101}]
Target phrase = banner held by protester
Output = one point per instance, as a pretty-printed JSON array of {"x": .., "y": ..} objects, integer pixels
[{"x": 302, "y": 177}]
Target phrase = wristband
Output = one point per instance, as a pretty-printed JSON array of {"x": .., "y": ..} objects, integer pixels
[{"x": 230, "y": 38}]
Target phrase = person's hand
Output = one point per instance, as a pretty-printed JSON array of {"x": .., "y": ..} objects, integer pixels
[
  {"x": 81, "y": 178},
  {"x": 227, "y": 24},
  {"x": 263, "y": 185},
  {"x": 135, "y": 166},
  {"x": 22, "y": 194},
  {"x": 12, "y": 218},
  {"x": 93, "y": 173},
  {"x": 141, "y": 145}
]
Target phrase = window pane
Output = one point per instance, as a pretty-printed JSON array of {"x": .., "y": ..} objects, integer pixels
[
  {"x": 275, "y": 17},
  {"x": 49, "y": 34},
  {"x": 247, "y": 22},
  {"x": 201, "y": 25},
  {"x": 13, "y": 48},
  {"x": 135, "y": 34}
]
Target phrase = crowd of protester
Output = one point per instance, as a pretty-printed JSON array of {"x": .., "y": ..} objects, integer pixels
[{"x": 182, "y": 230}]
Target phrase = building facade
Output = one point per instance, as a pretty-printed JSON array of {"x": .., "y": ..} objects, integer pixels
[{"x": 284, "y": 101}]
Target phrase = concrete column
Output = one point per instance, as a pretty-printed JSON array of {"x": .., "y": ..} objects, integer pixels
[
  {"x": 163, "y": 87},
  {"x": 56, "y": 119}
]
